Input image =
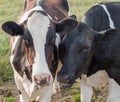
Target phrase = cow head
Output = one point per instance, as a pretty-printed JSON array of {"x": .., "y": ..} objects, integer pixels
[
  {"x": 75, "y": 50},
  {"x": 33, "y": 49}
]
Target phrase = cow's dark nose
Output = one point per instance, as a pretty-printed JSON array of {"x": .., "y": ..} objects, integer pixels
[
  {"x": 42, "y": 79},
  {"x": 64, "y": 78}
]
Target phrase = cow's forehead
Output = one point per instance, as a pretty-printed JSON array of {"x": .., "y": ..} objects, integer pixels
[
  {"x": 25, "y": 16},
  {"x": 38, "y": 25}
]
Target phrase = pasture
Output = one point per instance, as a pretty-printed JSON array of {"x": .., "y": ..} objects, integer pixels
[{"x": 10, "y": 10}]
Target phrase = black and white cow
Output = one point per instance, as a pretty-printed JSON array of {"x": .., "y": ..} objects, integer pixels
[
  {"x": 103, "y": 16},
  {"x": 91, "y": 56},
  {"x": 34, "y": 48}
]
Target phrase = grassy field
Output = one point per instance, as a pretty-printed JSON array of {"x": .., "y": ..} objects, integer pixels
[{"x": 10, "y": 10}]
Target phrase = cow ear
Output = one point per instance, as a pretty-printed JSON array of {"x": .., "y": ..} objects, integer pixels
[
  {"x": 110, "y": 34},
  {"x": 67, "y": 25},
  {"x": 12, "y": 28}
]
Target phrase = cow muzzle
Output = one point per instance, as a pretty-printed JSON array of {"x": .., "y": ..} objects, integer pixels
[
  {"x": 42, "y": 79},
  {"x": 66, "y": 80}
]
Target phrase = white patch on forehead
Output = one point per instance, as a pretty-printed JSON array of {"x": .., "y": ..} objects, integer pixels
[
  {"x": 111, "y": 23},
  {"x": 57, "y": 40},
  {"x": 38, "y": 25},
  {"x": 26, "y": 15}
]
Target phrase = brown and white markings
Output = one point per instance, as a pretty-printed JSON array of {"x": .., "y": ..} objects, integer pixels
[{"x": 33, "y": 48}]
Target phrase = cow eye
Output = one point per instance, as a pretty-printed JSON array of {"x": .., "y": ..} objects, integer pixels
[
  {"x": 86, "y": 49},
  {"x": 81, "y": 49},
  {"x": 27, "y": 42}
]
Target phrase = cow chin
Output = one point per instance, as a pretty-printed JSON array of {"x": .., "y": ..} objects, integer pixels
[{"x": 65, "y": 85}]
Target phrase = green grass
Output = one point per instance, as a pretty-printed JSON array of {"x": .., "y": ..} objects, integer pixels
[
  {"x": 10, "y": 10},
  {"x": 77, "y": 98},
  {"x": 10, "y": 99}
]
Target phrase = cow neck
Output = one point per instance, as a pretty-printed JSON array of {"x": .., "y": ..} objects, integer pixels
[{"x": 97, "y": 48}]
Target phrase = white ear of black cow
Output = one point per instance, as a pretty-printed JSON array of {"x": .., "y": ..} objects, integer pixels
[
  {"x": 12, "y": 28},
  {"x": 66, "y": 25}
]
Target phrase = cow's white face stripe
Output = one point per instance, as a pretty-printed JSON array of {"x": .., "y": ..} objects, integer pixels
[
  {"x": 38, "y": 25},
  {"x": 111, "y": 23}
]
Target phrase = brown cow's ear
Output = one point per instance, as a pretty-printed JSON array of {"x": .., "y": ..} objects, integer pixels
[
  {"x": 12, "y": 28},
  {"x": 66, "y": 25}
]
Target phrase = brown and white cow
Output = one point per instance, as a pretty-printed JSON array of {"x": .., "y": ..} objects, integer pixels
[{"x": 34, "y": 48}]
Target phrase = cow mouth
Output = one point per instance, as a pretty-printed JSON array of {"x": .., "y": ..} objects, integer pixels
[
  {"x": 65, "y": 85},
  {"x": 42, "y": 86}
]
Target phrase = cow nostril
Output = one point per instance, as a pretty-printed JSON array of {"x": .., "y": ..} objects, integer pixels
[{"x": 42, "y": 79}]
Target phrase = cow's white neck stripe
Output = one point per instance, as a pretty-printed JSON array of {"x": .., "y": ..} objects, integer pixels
[{"x": 111, "y": 23}]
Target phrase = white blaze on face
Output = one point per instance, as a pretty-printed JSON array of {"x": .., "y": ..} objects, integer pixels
[{"x": 38, "y": 25}]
